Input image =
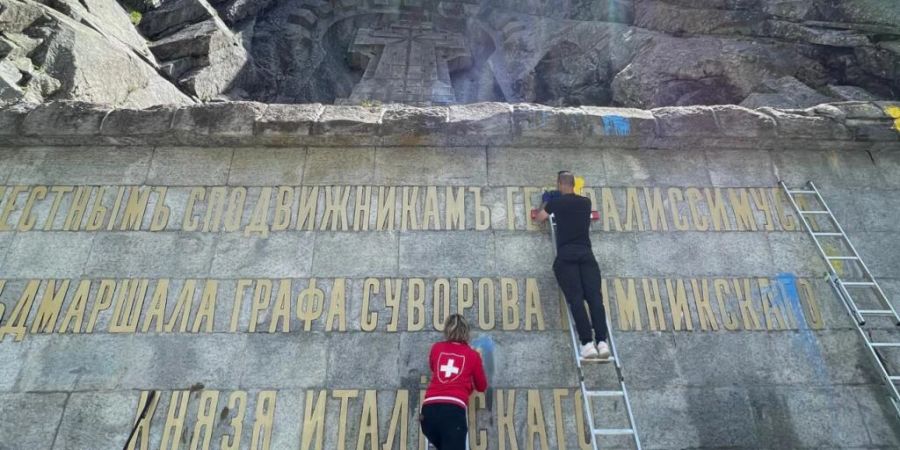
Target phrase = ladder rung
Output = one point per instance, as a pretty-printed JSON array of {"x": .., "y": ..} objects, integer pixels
[
  {"x": 894, "y": 378},
  {"x": 827, "y": 234},
  {"x": 814, "y": 212},
  {"x": 876, "y": 312},
  {"x": 605, "y": 393},
  {"x": 885, "y": 344},
  {"x": 597, "y": 360},
  {"x": 802, "y": 192},
  {"x": 849, "y": 258},
  {"x": 857, "y": 283},
  {"x": 613, "y": 431}
]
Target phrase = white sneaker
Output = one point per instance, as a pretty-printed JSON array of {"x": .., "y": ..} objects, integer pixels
[
  {"x": 603, "y": 350},
  {"x": 588, "y": 351}
]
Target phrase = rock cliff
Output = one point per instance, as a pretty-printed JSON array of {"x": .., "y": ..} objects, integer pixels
[{"x": 635, "y": 53}]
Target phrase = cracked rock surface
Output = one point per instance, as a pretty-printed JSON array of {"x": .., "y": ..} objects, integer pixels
[{"x": 631, "y": 53}]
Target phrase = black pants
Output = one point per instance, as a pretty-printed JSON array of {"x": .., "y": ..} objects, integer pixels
[
  {"x": 579, "y": 278},
  {"x": 445, "y": 426}
]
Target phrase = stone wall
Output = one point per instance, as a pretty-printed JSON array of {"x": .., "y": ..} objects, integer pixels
[{"x": 277, "y": 273}]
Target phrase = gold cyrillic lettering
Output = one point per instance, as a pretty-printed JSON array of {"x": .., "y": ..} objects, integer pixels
[
  {"x": 456, "y": 209},
  {"x": 284, "y": 200},
  {"x": 27, "y": 221},
  {"x": 431, "y": 215},
  {"x": 415, "y": 304},
  {"x": 337, "y": 310},
  {"x": 705, "y": 314},
  {"x": 9, "y": 206},
  {"x": 171, "y": 436},
  {"x": 537, "y": 426},
  {"x": 634, "y": 216},
  {"x": 51, "y": 303},
  {"x": 482, "y": 213},
  {"x": 653, "y": 302},
  {"x": 717, "y": 210},
  {"x": 656, "y": 209},
  {"x": 409, "y": 212},
  {"x": 206, "y": 416},
  {"x": 362, "y": 210},
  {"x": 486, "y": 298},
  {"x": 156, "y": 313},
  {"x": 259, "y": 220},
  {"x": 387, "y": 207},
  {"x": 135, "y": 208},
  {"x": 214, "y": 208},
  {"x": 129, "y": 303},
  {"x": 261, "y": 437},
  {"x": 237, "y": 402},
  {"x": 509, "y": 303},
  {"x": 335, "y": 216},
  {"x": 161, "y": 212},
  {"x": 679, "y": 220},
  {"x": 104, "y": 301},
  {"x": 441, "y": 307},
  {"x": 506, "y": 412},
  {"x": 234, "y": 214},
  {"x": 262, "y": 295},
  {"x": 681, "y": 312},
  {"x": 77, "y": 307},
  {"x": 206, "y": 312},
  {"x": 626, "y": 301},
  {"x": 368, "y": 422},
  {"x": 369, "y": 320},
  {"x": 306, "y": 212},
  {"x": 740, "y": 206},
  {"x": 182, "y": 307},
  {"x": 190, "y": 221},
  {"x": 314, "y": 421}
]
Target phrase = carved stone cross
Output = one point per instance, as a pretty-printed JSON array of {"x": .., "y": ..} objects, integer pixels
[{"x": 407, "y": 62}]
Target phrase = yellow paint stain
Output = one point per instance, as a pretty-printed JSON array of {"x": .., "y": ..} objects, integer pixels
[
  {"x": 894, "y": 112},
  {"x": 579, "y": 185},
  {"x": 831, "y": 250}
]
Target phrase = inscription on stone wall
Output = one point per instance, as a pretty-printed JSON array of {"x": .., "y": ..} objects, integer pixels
[
  {"x": 356, "y": 418},
  {"x": 259, "y": 211},
  {"x": 141, "y": 305}
]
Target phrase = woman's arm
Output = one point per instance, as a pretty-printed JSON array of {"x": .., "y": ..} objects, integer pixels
[{"x": 480, "y": 380}]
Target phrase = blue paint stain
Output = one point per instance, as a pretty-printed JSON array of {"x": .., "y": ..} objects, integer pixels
[
  {"x": 788, "y": 283},
  {"x": 485, "y": 346},
  {"x": 616, "y": 126},
  {"x": 806, "y": 339}
]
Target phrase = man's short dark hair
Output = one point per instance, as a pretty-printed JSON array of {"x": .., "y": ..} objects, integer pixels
[{"x": 565, "y": 178}]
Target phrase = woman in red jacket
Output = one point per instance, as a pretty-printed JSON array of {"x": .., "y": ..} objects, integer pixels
[{"x": 456, "y": 371}]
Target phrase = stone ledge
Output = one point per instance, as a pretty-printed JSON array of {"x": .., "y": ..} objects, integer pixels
[{"x": 256, "y": 124}]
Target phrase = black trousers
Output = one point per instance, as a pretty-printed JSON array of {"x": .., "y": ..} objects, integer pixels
[
  {"x": 445, "y": 426},
  {"x": 578, "y": 275}
]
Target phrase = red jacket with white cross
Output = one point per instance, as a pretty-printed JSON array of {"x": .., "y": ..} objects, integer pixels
[{"x": 456, "y": 370}]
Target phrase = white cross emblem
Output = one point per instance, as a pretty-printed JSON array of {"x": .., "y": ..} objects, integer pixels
[
  {"x": 450, "y": 366},
  {"x": 449, "y": 369}
]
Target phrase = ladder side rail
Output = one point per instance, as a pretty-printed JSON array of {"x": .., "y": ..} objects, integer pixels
[
  {"x": 886, "y": 377},
  {"x": 619, "y": 373},
  {"x": 831, "y": 271},
  {"x": 585, "y": 398},
  {"x": 631, "y": 422},
  {"x": 868, "y": 273},
  {"x": 808, "y": 228}
]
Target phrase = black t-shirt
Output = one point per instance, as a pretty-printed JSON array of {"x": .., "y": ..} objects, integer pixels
[{"x": 573, "y": 220}]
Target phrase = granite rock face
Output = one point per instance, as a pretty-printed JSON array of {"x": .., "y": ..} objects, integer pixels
[
  {"x": 85, "y": 50},
  {"x": 634, "y": 53}
]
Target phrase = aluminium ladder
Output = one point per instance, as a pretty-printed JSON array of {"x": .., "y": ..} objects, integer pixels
[
  {"x": 588, "y": 394},
  {"x": 843, "y": 288}
]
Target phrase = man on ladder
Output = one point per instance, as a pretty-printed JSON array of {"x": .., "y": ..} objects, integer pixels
[{"x": 575, "y": 267}]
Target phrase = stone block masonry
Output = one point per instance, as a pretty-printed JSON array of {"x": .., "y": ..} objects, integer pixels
[{"x": 276, "y": 273}]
